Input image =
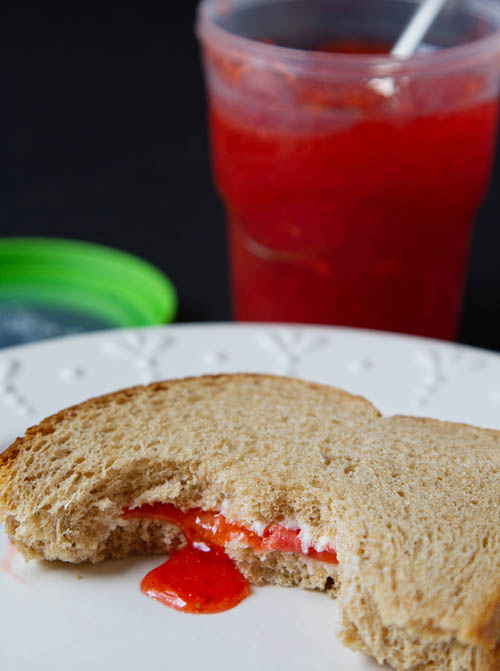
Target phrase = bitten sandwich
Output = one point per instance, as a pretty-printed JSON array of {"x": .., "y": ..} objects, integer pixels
[{"x": 289, "y": 483}]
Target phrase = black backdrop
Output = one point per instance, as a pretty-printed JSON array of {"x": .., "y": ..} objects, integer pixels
[{"x": 106, "y": 142}]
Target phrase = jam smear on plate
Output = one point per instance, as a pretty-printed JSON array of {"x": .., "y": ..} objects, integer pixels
[{"x": 201, "y": 578}]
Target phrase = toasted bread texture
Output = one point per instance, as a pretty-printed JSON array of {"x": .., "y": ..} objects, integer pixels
[{"x": 411, "y": 505}]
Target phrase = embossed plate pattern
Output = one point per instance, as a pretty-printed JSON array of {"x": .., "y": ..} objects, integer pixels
[{"x": 55, "y": 616}]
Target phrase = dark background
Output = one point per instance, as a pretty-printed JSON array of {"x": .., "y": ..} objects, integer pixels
[{"x": 106, "y": 141}]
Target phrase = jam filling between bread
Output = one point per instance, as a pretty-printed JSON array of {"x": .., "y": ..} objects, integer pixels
[{"x": 201, "y": 578}]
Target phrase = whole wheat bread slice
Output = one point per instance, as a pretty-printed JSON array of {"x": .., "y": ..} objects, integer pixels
[{"x": 412, "y": 506}]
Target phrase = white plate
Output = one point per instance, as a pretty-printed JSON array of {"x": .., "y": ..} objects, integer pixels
[{"x": 76, "y": 618}]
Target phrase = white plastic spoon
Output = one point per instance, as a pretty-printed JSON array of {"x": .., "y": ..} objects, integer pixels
[{"x": 417, "y": 27}]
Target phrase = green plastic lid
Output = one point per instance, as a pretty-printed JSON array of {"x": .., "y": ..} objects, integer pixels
[{"x": 103, "y": 286}]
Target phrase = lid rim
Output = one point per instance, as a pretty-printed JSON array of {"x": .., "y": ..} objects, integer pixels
[{"x": 105, "y": 273}]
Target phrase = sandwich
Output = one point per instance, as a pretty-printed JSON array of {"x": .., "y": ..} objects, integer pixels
[{"x": 287, "y": 482}]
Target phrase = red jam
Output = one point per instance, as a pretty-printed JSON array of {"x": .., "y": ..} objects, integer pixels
[
  {"x": 196, "y": 580},
  {"x": 201, "y": 578},
  {"x": 345, "y": 204},
  {"x": 353, "y": 46}
]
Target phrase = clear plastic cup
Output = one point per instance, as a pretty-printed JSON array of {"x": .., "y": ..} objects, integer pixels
[{"x": 350, "y": 180}]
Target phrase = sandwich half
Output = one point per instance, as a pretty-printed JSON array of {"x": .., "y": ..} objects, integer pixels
[{"x": 398, "y": 518}]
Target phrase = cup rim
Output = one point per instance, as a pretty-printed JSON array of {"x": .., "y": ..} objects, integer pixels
[{"x": 211, "y": 34}]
